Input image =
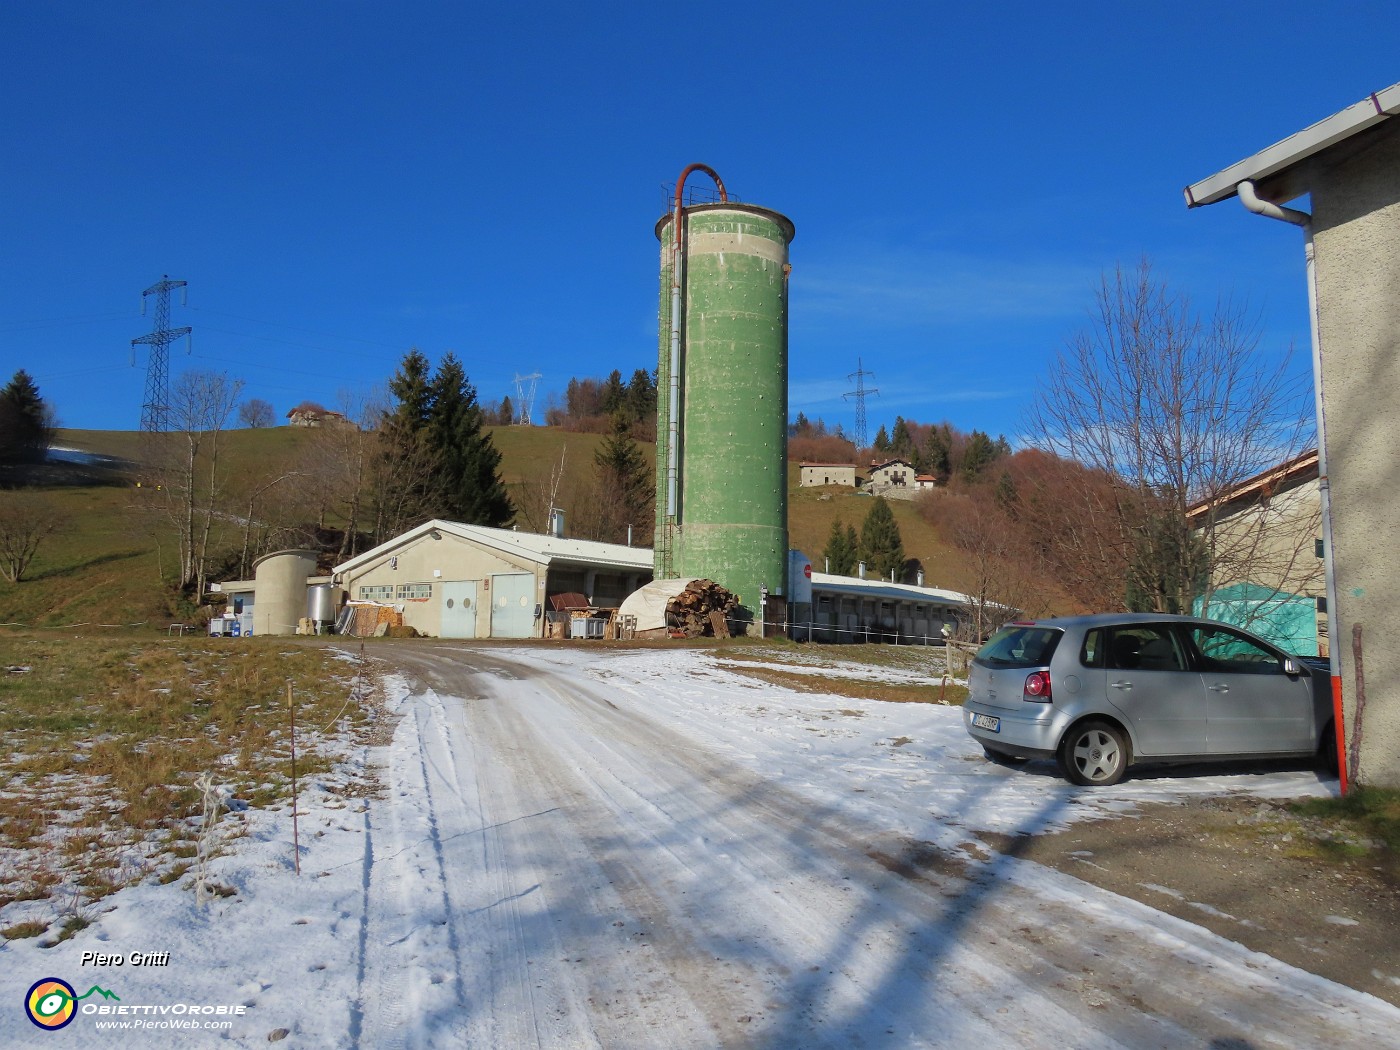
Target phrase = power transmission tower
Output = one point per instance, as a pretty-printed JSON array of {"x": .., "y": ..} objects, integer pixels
[
  {"x": 155, "y": 408},
  {"x": 860, "y": 393},
  {"x": 525, "y": 397}
]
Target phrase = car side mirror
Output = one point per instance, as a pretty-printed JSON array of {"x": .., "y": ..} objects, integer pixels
[{"x": 1290, "y": 667}]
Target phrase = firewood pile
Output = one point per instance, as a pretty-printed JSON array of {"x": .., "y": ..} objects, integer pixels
[{"x": 701, "y": 610}]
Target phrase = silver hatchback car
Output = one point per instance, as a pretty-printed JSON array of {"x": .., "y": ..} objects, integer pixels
[{"x": 1098, "y": 693}]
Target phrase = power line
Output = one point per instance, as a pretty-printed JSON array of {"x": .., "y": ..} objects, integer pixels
[
  {"x": 58, "y": 322},
  {"x": 295, "y": 328}
]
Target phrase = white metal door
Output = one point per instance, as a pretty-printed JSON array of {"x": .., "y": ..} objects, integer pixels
[
  {"x": 513, "y": 605},
  {"x": 459, "y": 609}
]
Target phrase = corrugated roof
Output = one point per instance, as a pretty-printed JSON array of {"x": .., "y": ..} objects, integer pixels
[
  {"x": 905, "y": 592},
  {"x": 529, "y": 546},
  {"x": 1321, "y": 136}
]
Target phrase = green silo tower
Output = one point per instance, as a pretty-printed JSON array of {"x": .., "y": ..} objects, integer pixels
[{"x": 721, "y": 477}]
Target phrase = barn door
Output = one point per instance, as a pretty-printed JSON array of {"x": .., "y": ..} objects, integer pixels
[
  {"x": 459, "y": 609},
  {"x": 513, "y": 605}
]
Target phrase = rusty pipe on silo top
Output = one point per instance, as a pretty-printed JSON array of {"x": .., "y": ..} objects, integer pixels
[{"x": 673, "y": 412}]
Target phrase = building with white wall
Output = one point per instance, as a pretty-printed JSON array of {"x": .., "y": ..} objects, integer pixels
[{"x": 452, "y": 580}]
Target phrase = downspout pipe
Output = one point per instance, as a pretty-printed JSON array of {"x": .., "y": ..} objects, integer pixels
[
  {"x": 1250, "y": 198},
  {"x": 673, "y": 409}
]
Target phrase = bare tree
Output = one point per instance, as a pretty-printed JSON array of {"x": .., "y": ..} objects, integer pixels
[
  {"x": 536, "y": 496},
  {"x": 26, "y": 520},
  {"x": 998, "y": 556},
  {"x": 343, "y": 463},
  {"x": 251, "y": 522},
  {"x": 186, "y": 466},
  {"x": 1176, "y": 408},
  {"x": 255, "y": 413}
]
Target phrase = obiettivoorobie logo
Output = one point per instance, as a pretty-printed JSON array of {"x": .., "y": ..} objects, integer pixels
[{"x": 52, "y": 1003}]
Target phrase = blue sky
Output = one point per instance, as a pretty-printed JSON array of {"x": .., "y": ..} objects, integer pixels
[{"x": 339, "y": 182}]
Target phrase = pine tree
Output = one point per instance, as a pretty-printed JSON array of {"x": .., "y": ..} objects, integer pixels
[
  {"x": 979, "y": 454},
  {"x": 881, "y": 547},
  {"x": 438, "y": 461},
  {"x": 882, "y": 440},
  {"x": 412, "y": 390},
  {"x": 935, "y": 455},
  {"x": 614, "y": 393},
  {"x": 641, "y": 396},
  {"x": 469, "y": 486},
  {"x": 26, "y": 424},
  {"x": 901, "y": 440},
  {"x": 840, "y": 553},
  {"x": 624, "y": 480}
]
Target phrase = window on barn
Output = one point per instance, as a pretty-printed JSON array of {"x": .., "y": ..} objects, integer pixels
[
  {"x": 383, "y": 593},
  {"x": 409, "y": 591}
]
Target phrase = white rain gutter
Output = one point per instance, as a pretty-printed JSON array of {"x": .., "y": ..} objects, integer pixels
[{"x": 1251, "y": 200}]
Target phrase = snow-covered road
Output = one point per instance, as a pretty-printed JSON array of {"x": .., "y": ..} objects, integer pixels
[
  {"x": 591, "y": 848},
  {"x": 593, "y": 870}
]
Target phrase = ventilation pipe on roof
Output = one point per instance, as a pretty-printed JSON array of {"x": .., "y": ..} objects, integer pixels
[{"x": 1251, "y": 200}]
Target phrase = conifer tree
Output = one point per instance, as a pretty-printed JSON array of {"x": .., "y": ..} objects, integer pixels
[
  {"x": 469, "y": 486},
  {"x": 26, "y": 424},
  {"x": 624, "y": 480},
  {"x": 840, "y": 552},
  {"x": 901, "y": 440},
  {"x": 438, "y": 459},
  {"x": 881, "y": 547}
]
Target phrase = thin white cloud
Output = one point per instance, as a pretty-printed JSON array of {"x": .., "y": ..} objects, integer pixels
[{"x": 912, "y": 288}]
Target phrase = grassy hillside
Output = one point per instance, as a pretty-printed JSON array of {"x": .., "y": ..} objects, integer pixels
[{"x": 107, "y": 569}]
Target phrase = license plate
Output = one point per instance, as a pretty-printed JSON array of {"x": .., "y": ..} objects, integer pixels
[{"x": 990, "y": 722}]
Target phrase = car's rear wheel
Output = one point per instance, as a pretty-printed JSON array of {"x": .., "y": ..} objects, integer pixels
[
  {"x": 1094, "y": 753},
  {"x": 1327, "y": 759}
]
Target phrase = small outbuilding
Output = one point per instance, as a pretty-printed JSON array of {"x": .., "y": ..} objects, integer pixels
[{"x": 816, "y": 474}]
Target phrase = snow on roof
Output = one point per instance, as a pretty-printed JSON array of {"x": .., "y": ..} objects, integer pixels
[
  {"x": 530, "y": 546},
  {"x": 1282, "y": 155}
]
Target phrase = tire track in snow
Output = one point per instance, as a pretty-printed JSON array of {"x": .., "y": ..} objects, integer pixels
[
  {"x": 831, "y": 934},
  {"x": 412, "y": 988}
]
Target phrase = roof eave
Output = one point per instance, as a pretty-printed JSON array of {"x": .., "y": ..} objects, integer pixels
[{"x": 1283, "y": 155}]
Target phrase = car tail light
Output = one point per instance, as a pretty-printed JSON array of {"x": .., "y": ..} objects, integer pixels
[{"x": 1037, "y": 689}]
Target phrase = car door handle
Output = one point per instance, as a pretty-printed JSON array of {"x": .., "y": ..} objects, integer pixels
[
  {"x": 1121, "y": 685},
  {"x": 1219, "y": 687}
]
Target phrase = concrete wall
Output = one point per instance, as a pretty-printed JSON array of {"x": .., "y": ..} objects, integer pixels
[
  {"x": 1273, "y": 543},
  {"x": 1356, "y": 224},
  {"x": 827, "y": 474},
  {"x": 435, "y": 562}
]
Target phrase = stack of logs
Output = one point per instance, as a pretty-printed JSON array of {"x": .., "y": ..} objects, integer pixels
[{"x": 701, "y": 610}]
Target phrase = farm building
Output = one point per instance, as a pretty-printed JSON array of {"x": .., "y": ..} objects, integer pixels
[
  {"x": 1265, "y": 546},
  {"x": 827, "y": 474},
  {"x": 849, "y": 609},
  {"x": 451, "y": 580}
]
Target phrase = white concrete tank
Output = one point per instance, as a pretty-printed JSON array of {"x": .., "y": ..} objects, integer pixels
[{"x": 279, "y": 580}]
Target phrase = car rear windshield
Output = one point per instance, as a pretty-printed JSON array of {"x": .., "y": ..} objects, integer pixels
[{"x": 1020, "y": 645}]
